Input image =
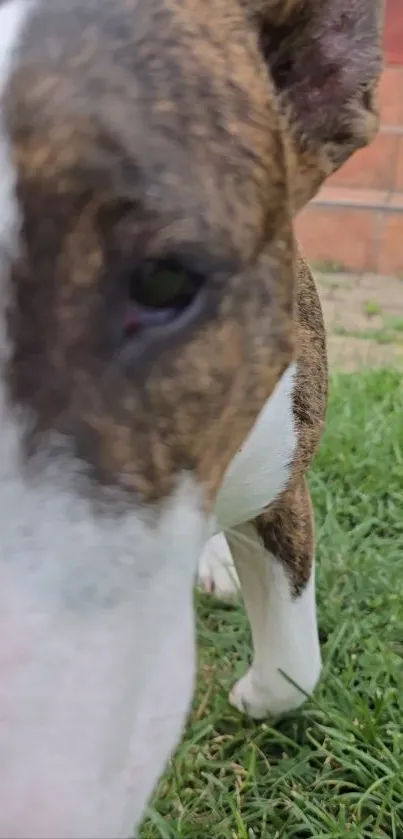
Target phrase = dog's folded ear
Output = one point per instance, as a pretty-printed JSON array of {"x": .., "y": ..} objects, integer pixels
[{"x": 325, "y": 57}]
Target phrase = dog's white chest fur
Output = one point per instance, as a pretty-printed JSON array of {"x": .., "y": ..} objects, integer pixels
[{"x": 261, "y": 469}]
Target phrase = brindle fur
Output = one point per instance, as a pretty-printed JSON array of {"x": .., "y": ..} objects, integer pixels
[
  {"x": 141, "y": 127},
  {"x": 287, "y": 528},
  {"x": 325, "y": 59},
  {"x": 144, "y": 127}
]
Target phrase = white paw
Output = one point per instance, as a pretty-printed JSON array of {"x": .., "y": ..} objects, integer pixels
[
  {"x": 217, "y": 574},
  {"x": 277, "y": 696}
]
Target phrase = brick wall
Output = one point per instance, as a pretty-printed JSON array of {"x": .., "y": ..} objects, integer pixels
[
  {"x": 394, "y": 32},
  {"x": 356, "y": 221}
]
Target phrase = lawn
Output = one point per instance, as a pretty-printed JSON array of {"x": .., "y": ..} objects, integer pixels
[{"x": 335, "y": 769}]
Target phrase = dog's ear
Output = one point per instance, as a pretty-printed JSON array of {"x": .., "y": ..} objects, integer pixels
[{"x": 325, "y": 57}]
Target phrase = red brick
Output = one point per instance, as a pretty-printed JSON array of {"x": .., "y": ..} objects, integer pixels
[
  {"x": 391, "y": 97},
  {"x": 344, "y": 235},
  {"x": 393, "y": 39},
  {"x": 398, "y": 181},
  {"x": 390, "y": 253},
  {"x": 371, "y": 168}
]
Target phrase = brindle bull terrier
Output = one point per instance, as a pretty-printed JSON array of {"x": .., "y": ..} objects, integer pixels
[{"x": 163, "y": 370}]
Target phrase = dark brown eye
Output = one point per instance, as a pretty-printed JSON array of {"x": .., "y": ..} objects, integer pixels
[
  {"x": 161, "y": 284},
  {"x": 159, "y": 292}
]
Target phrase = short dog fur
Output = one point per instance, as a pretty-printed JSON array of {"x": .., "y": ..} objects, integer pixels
[{"x": 138, "y": 139}]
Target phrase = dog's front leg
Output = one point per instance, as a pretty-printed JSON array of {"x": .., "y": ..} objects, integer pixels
[{"x": 274, "y": 557}]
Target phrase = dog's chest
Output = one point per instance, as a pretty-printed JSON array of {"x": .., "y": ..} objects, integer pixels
[{"x": 262, "y": 468}]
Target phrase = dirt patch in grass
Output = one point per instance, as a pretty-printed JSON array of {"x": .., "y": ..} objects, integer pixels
[{"x": 364, "y": 319}]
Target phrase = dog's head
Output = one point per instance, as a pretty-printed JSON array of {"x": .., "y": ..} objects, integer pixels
[{"x": 152, "y": 154}]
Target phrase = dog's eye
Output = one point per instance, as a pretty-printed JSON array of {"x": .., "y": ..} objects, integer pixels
[
  {"x": 159, "y": 285},
  {"x": 159, "y": 292}
]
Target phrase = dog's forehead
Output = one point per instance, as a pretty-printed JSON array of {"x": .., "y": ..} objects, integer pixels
[{"x": 143, "y": 96}]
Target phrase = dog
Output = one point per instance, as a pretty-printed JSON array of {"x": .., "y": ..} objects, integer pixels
[{"x": 163, "y": 370}]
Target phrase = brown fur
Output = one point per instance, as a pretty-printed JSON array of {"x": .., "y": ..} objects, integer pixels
[
  {"x": 146, "y": 127},
  {"x": 325, "y": 58},
  {"x": 141, "y": 128},
  {"x": 287, "y": 526},
  {"x": 287, "y": 531}
]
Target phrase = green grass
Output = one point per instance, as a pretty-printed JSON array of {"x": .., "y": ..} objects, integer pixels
[
  {"x": 396, "y": 324},
  {"x": 387, "y": 334},
  {"x": 335, "y": 769},
  {"x": 329, "y": 266},
  {"x": 372, "y": 308}
]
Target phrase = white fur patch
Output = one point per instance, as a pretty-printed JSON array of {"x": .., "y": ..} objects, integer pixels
[
  {"x": 96, "y": 654},
  {"x": 261, "y": 469},
  {"x": 217, "y": 573},
  {"x": 13, "y": 16},
  {"x": 256, "y": 476},
  {"x": 96, "y": 620},
  {"x": 284, "y": 630}
]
